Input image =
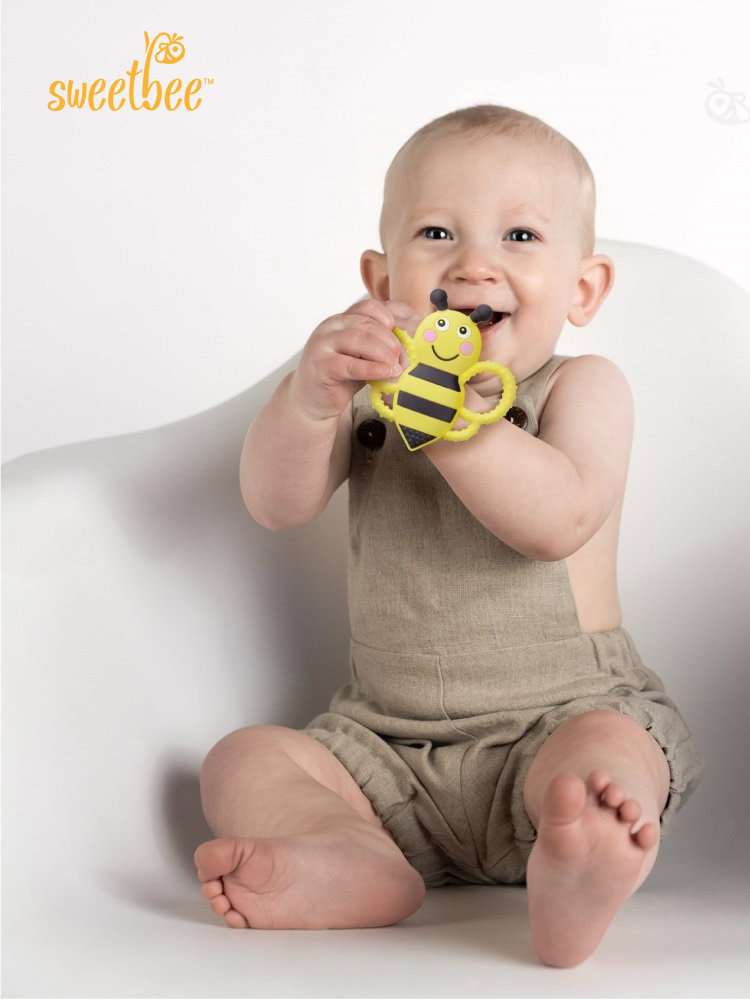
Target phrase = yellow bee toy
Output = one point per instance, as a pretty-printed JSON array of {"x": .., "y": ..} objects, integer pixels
[{"x": 428, "y": 397}]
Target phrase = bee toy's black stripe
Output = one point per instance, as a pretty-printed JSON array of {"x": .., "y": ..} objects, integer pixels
[
  {"x": 425, "y": 406},
  {"x": 436, "y": 375}
]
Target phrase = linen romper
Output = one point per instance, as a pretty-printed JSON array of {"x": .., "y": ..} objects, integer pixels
[{"x": 465, "y": 656}]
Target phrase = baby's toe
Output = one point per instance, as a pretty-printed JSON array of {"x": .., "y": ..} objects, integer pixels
[
  {"x": 630, "y": 811},
  {"x": 647, "y": 837},
  {"x": 212, "y": 888},
  {"x": 220, "y": 905},
  {"x": 234, "y": 919},
  {"x": 613, "y": 796},
  {"x": 598, "y": 781}
]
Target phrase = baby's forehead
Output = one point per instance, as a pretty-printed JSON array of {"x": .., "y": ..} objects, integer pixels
[
  {"x": 514, "y": 171},
  {"x": 499, "y": 163}
]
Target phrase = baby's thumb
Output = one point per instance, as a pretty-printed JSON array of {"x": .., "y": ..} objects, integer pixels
[{"x": 404, "y": 315}]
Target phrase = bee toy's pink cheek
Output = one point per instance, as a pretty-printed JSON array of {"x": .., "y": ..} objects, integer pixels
[
  {"x": 429, "y": 336},
  {"x": 466, "y": 349}
]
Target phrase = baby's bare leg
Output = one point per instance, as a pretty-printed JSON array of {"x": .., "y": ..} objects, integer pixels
[
  {"x": 595, "y": 793},
  {"x": 299, "y": 844}
]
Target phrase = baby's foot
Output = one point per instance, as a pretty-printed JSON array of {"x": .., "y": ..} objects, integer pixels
[
  {"x": 586, "y": 861},
  {"x": 311, "y": 881}
]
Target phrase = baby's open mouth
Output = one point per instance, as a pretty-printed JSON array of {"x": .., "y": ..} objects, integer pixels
[{"x": 496, "y": 316}]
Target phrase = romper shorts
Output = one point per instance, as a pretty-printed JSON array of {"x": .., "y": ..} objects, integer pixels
[{"x": 447, "y": 780}]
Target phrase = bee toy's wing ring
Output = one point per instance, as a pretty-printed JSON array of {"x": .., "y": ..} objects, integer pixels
[
  {"x": 376, "y": 398},
  {"x": 465, "y": 433},
  {"x": 407, "y": 341},
  {"x": 506, "y": 400}
]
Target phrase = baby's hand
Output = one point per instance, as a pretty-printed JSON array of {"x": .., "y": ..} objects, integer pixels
[{"x": 346, "y": 351}]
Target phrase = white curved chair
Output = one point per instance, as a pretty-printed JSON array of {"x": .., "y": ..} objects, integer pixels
[{"x": 146, "y": 615}]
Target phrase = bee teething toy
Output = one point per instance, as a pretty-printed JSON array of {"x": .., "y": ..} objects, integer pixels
[{"x": 428, "y": 397}]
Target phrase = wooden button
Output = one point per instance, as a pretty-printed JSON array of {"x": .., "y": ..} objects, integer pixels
[
  {"x": 371, "y": 433},
  {"x": 517, "y": 417}
]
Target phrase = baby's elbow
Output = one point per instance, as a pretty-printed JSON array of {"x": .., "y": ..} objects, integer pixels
[
  {"x": 548, "y": 551},
  {"x": 553, "y": 551},
  {"x": 260, "y": 518},
  {"x": 548, "y": 543},
  {"x": 263, "y": 514},
  {"x": 572, "y": 526},
  {"x": 279, "y": 515},
  {"x": 562, "y": 540},
  {"x": 270, "y": 523},
  {"x": 273, "y": 519}
]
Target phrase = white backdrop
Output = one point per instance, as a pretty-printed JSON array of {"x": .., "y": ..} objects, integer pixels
[{"x": 212, "y": 242}]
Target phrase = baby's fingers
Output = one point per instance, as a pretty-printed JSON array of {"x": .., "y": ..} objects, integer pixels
[
  {"x": 373, "y": 309},
  {"x": 345, "y": 368},
  {"x": 405, "y": 317},
  {"x": 364, "y": 337}
]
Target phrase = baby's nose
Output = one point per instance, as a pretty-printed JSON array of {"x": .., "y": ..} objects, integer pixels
[{"x": 475, "y": 264}]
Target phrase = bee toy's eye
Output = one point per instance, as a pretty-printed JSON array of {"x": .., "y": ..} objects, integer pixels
[
  {"x": 442, "y": 323},
  {"x": 464, "y": 331}
]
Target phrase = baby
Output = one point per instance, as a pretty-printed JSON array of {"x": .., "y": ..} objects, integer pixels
[{"x": 499, "y": 725}]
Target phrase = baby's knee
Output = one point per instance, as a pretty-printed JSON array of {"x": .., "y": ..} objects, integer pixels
[
  {"x": 249, "y": 744},
  {"x": 602, "y": 727}
]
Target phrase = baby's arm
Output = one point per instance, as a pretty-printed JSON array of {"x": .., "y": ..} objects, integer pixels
[
  {"x": 547, "y": 496},
  {"x": 296, "y": 452}
]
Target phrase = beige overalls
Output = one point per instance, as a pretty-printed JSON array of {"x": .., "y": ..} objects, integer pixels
[{"x": 465, "y": 656}]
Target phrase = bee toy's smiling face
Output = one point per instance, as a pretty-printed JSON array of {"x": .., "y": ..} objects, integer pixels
[{"x": 449, "y": 340}]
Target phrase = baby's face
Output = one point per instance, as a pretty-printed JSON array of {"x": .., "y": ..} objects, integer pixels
[{"x": 492, "y": 220}]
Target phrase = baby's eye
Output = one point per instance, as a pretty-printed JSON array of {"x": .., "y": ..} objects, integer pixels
[
  {"x": 521, "y": 236},
  {"x": 435, "y": 233}
]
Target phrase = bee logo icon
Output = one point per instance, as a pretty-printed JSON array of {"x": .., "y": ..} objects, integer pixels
[
  {"x": 428, "y": 397},
  {"x": 170, "y": 50},
  {"x": 726, "y": 108}
]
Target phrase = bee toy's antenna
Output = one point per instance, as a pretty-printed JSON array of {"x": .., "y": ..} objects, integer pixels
[
  {"x": 439, "y": 298},
  {"x": 481, "y": 314}
]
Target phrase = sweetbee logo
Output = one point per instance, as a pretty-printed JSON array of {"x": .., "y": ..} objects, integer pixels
[
  {"x": 139, "y": 91},
  {"x": 725, "y": 107}
]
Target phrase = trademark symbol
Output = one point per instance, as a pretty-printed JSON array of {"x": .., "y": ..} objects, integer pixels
[{"x": 208, "y": 80}]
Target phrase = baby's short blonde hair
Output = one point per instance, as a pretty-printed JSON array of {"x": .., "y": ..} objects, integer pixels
[{"x": 494, "y": 119}]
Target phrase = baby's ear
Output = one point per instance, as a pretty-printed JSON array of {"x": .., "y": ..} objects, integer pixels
[
  {"x": 597, "y": 275},
  {"x": 373, "y": 267}
]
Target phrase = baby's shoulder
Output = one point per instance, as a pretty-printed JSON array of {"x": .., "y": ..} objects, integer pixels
[
  {"x": 586, "y": 371},
  {"x": 587, "y": 380}
]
